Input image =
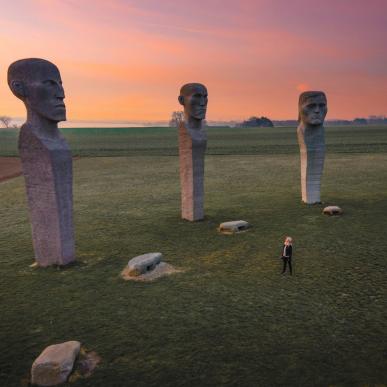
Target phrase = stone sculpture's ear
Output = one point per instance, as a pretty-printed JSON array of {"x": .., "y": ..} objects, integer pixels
[
  {"x": 17, "y": 88},
  {"x": 181, "y": 99}
]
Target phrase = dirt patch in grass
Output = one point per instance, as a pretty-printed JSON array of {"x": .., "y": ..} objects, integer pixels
[
  {"x": 85, "y": 365},
  {"x": 9, "y": 167}
]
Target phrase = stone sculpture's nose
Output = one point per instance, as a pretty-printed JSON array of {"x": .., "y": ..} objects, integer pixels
[{"x": 60, "y": 92}]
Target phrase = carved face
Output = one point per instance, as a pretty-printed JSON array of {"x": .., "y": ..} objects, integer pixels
[
  {"x": 195, "y": 102},
  {"x": 313, "y": 110},
  {"x": 44, "y": 92}
]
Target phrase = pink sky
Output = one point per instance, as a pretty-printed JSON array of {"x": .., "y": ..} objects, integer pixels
[{"x": 126, "y": 60}]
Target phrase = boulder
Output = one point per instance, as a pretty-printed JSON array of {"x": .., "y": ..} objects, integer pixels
[
  {"x": 332, "y": 210},
  {"x": 233, "y": 227},
  {"x": 54, "y": 364},
  {"x": 143, "y": 263}
]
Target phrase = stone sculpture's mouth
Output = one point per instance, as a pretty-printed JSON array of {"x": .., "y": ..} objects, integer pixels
[
  {"x": 201, "y": 112},
  {"x": 316, "y": 120}
]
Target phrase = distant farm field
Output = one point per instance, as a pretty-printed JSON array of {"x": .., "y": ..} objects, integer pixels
[
  {"x": 230, "y": 319},
  {"x": 163, "y": 141}
]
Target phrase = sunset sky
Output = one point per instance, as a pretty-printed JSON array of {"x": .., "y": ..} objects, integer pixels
[{"x": 126, "y": 60}]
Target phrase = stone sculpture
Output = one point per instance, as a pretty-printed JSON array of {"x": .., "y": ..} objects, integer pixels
[
  {"x": 46, "y": 159},
  {"x": 192, "y": 148},
  {"x": 312, "y": 109}
]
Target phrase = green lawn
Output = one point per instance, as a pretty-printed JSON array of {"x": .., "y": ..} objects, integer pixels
[{"x": 230, "y": 319}]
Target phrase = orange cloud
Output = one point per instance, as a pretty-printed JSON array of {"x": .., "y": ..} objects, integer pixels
[{"x": 301, "y": 87}]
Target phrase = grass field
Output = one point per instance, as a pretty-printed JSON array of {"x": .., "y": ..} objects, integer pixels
[
  {"x": 92, "y": 142},
  {"x": 230, "y": 319}
]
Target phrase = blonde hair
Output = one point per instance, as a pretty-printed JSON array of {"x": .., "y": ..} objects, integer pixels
[{"x": 288, "y": 240}]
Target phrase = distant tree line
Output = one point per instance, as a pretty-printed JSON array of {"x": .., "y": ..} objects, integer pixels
[
  {"x": 6, "y": 121},
  {"x": 177, "y": 117},
  {"x": 256, "y": 122},
  {"x": 372, "y": 120}
]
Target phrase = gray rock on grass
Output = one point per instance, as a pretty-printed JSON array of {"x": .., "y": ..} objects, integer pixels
[
  {"x": 54, "y": 365},
  {"x": 233, "y": 227},
  {"x": 147, "y": 268},
  {"x": 332, "y": 210},
  {"x": 143, "y": 263}
]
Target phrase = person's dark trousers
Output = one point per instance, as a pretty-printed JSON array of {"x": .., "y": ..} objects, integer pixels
[{"x": 289, "y": 262}]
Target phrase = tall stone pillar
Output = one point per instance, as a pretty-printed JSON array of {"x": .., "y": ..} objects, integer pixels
[
  {"x": 311, "y": 140},
  {"x": 46, "y": 160},
  {"x": 192, "y": 148}
]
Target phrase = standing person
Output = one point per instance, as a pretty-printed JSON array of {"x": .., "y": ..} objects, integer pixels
[{"x": 287, "y": 254}]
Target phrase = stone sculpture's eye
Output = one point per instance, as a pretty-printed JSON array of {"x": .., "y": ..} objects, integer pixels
[{"x": 49, "y": 82}]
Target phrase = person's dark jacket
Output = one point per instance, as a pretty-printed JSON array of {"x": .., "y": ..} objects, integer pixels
[{"x": 288, "y": 251}]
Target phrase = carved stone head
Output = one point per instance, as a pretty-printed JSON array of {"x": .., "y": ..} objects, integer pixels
[
  {"x": 38, "y": 84},
  {"x": 312, "y": 108},
  {"x": 194, "y": 98}
]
